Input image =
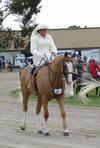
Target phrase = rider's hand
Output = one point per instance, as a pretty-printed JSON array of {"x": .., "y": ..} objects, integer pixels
[
  {"x": 46, "y": 61},
  {"x": 45, "y": 57},
  {"x": 53, "y": 53}
]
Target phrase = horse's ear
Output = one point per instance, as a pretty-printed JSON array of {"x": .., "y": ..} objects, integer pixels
[{"x": 66, "y": 54}]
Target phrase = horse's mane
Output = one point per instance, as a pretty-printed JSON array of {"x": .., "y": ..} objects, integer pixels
[{"x": 57, "y": 60}]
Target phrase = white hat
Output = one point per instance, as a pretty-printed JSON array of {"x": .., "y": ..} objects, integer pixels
[{"x": 39, "y": 27}]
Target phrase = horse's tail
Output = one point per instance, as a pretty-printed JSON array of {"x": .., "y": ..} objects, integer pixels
[
  {"x": 19, "y": 93},
  {"x": 87, "y": 87},
  {"x": 20, "y": 75},
  {"x": 20, "y": 97}
]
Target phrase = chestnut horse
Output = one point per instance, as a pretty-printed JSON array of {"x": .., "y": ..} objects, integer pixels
[{"x": 46, "y": 84}]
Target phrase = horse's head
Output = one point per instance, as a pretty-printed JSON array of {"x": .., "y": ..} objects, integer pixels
[
  {"x": 68, "y": 57},
  {"x": 66, "y": 69},
  {"x": 59, "y": 64}
]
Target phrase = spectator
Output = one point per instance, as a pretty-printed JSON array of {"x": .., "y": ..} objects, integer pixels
[
  {"x": 93, "y": 68},
  {"x": 79, "y": 67},
  {"x": 0, "y": 64},
  {"x": 80, "y": 71}
]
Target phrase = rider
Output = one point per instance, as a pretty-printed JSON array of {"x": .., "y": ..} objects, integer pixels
[{"x": 42, "y": 45}]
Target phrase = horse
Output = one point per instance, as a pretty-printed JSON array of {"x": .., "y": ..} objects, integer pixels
[{"x": 47, "y": 83}]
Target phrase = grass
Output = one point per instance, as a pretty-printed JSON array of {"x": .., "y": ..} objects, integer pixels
[
  {"x": 15, "y": 92},
  {"x": 94, "y": 101}
]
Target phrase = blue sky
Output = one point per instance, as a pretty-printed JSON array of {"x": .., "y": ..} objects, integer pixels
[{"x": 64, "y": 13}]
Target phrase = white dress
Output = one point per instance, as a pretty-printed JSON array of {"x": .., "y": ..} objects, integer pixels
[{"x": 40, "y": 46}]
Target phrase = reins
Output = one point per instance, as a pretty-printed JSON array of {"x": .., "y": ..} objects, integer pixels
[{"x": 53, "y": 84}]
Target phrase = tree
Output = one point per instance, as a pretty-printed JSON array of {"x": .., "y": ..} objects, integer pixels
[
  {"x": 1, "y": 18},
  {"x": 23, "y": 10},
  {"x": 1, "y": 21},
  {"x": 74, "y": 27}
]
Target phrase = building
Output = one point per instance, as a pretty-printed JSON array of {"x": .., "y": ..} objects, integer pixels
[
  {"x": 81, "y": 38},
  {"x": 11, "y": 45},
  {"x": 84, "y": 39}
]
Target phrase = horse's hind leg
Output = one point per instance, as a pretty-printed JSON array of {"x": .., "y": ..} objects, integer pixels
[
  {"x": 46, "y": 115},
  {"x": 63, "y": 114},
  {"x": 25, "y": 95},
  {"x": 38, "y": 110}
]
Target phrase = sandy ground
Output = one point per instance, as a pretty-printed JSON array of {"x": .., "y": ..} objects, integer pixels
[{"x": 83, "y": 123}]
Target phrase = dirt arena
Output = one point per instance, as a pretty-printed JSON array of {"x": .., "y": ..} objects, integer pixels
[{"x": 83, "y": 122}]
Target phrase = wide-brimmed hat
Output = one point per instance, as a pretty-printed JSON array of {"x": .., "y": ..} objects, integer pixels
[{"x": 39, "y": 27}]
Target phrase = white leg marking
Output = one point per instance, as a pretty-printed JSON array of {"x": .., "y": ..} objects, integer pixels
[
  {"x": 45, "y": 129},
  {"x": 41, "y": 124},
  {"x": 38, "y": 122},
  {"x": 24, "y": 120},
  {"x": 66, "y": 130}
]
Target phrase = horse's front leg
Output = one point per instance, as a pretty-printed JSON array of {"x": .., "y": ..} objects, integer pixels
[
  {"x": 25, "y": 108},
  {"x": 46, "y": 115},
  {"x": 63, "y": 114}
]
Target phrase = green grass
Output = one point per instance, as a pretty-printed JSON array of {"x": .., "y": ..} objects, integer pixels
[
  {"x": 15, "y": 92},
  {"x": 94, "y": 101}
]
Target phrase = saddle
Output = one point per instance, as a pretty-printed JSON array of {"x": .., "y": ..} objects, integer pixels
[
  {"x": 35, "y": 69},
  {"x": 34, "y": 72}
]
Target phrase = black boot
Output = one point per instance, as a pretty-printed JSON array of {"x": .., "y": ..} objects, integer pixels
[{"x": 32, "y": 70}]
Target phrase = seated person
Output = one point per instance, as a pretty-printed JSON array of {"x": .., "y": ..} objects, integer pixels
[{"x": 42, "y": 45}]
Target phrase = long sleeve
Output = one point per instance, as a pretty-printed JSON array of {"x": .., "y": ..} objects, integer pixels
[
  {"x": 34, "y": 50},
  {"x": 52, "y": 46}
]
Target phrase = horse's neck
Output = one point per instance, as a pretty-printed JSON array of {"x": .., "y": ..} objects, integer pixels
[
  {"x": 56, "y": 74},
  {"x": 57, "y": 63}
]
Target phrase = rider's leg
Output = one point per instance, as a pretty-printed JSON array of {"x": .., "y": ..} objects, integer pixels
[{"x": 33, "y": 69}]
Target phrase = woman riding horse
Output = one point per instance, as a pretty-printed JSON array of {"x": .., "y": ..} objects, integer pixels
[{"x": 47, "y": 82}]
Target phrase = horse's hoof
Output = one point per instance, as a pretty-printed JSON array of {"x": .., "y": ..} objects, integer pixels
[
  {"x": 40, "y": 132},
  {"x": 66, "y": 134},
  {"x": 47, "y": 134},
  {"x": 22, "y": 128}
]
